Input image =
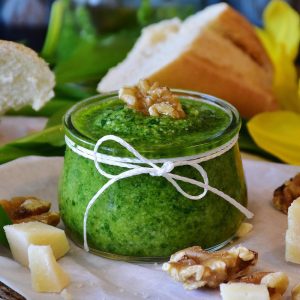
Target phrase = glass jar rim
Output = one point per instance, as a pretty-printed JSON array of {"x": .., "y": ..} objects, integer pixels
[{"x": 213, "y": 142}]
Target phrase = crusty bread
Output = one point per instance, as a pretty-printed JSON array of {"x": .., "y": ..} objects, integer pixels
[
  {"x": 215, "y": 51},
  {"x": 25, "y": 79}
]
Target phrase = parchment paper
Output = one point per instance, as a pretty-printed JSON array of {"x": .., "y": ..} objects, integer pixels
[{"x": 94, "y": 277}]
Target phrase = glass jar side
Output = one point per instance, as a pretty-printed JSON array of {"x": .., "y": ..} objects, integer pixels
[{"x": 144, "y": 218}]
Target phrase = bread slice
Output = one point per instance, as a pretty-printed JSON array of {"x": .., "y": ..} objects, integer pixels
[
  {"x": 215, "y": 51},
  {"x": 25, "y": 79}
]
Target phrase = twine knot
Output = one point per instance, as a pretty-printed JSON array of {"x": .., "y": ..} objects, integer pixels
[{"x": 167, "y": 167}]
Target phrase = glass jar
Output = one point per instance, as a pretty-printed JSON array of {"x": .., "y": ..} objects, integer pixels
[{"x": 144, "y": 217}]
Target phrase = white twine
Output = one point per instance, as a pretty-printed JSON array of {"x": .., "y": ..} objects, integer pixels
[{"x": 135, "y": 167}]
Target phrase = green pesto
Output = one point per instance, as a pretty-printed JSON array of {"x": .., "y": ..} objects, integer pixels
[
  {"x": 145, "y": 216},
  {"x": 202, "y": 121}
]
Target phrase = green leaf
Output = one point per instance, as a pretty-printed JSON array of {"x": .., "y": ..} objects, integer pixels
[
  {"x": 62, "y": 35},
  {"x": 66, "y": 95},
  {"x": 48, "y": 142},
  {"x": 75, "y": 48},
  {"x": 4, "y": 220},
  {"x": 91, "y": 60},
  {"x": 54, "y": 28},
  {"x": 145, "y": 12},
  {"x": 53, "y": 136},
  {"x": 148, "y": 13},
  {"x": 57, "y": 118},
  {"x": 74, "y": 91},
  {"x": 46, "y": 111}
]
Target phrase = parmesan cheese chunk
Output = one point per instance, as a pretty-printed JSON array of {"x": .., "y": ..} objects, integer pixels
[
  {"x": 292, "y": 238},
  {"x": 294, "y": 216},
  {"x": 46, "y": 274},
  {"x": 20, "y": 236},
  {"x": 292, "y": 247},
  {"x": 244, "y": 291}
]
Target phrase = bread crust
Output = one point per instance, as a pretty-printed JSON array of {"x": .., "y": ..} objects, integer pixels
[
  {"x": 247, "y": 86},
  {"x": 245, "y": 37},
  {"x": 247, "y": 99},
  {"x": 224, "y": 59}
]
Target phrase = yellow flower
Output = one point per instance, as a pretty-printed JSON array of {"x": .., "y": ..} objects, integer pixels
[
  {"x": 278, "y": 133},
  {"x": 280, "y": 37}
]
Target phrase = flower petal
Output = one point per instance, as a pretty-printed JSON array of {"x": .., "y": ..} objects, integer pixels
[
  {"x": 283, "y": 24},
  {"x": 280, "y": 38},
  {"x": 278, "y": 133}
]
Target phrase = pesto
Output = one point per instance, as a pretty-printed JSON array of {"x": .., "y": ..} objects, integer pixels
[
  {"x": 202, "y": 121},
  {"x": 145, "y": 216}
]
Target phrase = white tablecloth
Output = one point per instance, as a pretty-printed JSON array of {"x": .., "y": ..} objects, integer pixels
[{"x": 94, "y": 277}]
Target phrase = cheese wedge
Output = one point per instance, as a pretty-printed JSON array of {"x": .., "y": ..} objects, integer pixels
[
  {"x": 294, "y": 216},
  {"x": 20, "y": 236},
  {"x": 46, "y": 274},
  {"x": 292, "y": 238},
  {"x": 244, "y": 291},
  {"x": 292, "y": 247}
]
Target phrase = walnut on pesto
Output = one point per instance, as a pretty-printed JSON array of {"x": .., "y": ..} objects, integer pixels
[{"x": 152, "y": 99}]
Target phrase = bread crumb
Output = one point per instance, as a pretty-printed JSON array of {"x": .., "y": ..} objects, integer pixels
[
  {"x": 296, "y": 292},
  {"x": 244, "y": 229},
  {"x": 66, "y": 295}
]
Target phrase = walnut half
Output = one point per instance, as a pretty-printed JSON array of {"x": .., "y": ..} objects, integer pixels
[
  {"x": 152, "y": 99},
  {"x": 196, "y": 268},
  {"x": 27, "y": 209},
  {"x": 285, "y": 194}
]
